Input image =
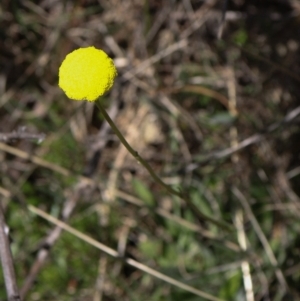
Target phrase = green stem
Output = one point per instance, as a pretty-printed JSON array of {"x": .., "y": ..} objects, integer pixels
[{"x": 155, "y": 177}]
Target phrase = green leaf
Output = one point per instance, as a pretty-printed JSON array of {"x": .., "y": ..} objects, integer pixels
[
  {"x": 143, "y": 192},
  {"x": 150, "y": 248},
  {"x": 199, "y": 201},
  {"x": 222, "y": 118},
  {"x": 231, "y": 287},
  {"x": 241, "y": 37}
]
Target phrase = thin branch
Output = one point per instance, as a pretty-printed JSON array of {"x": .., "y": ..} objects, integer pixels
[
  {"x": 21, "y": 134},
  {"x": 7, "y": 263},
  {"x": 115, "y": 254},
  {"x": 289, "y": 117}
]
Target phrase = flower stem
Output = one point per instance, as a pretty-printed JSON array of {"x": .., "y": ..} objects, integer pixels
[{"x": 155, "y": 177}]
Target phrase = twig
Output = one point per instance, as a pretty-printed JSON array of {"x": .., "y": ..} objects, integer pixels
[
  {"x": 35, "y": 159},
  {"x": 155, "y": 58},
  {"x": 115, "y": 254},
  {"x": 258, "y": 137},
  {"x": 276, "y": 66},
  {"x": 248, "y": 141},
  {"x": 21, "y": 134},
  {"x": 7, "y": 263}
]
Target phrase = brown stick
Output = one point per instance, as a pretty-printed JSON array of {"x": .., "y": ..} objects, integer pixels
[
  {"x": 21, "y": 134},
  {"x": 7, "y": 263}
]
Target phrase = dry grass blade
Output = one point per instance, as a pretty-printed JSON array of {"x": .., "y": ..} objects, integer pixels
[
  {"x": 245, "y": 265},
  {"x": 281, "y": 279},
  {"x": 115, "y": 254}
]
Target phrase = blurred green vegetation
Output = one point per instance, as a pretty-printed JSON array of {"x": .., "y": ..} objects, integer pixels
[{"x": 177, "y": 129}]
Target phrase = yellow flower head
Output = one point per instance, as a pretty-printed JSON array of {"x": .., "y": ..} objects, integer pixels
[{"x": 86, "y": 74}]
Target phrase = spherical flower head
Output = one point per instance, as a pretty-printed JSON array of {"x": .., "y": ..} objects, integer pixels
[{"x": 86, "y": 74}]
